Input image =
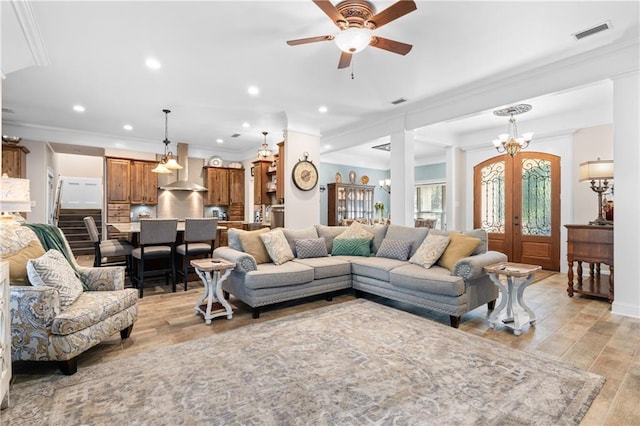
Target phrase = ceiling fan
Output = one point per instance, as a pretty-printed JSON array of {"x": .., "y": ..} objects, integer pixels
[{"x": 357, "y": 19}]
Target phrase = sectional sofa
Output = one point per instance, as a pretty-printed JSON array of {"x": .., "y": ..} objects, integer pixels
[{"x": 386, "y": 267}]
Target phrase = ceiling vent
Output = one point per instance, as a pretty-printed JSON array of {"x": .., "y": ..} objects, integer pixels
[
  {"x": 399, "y": 101},
  {"x": 593, "y": 30},
  {"x": 8, "y": 110},
  {"x": 383, "y": 147},
  {"x": 235, "y": 135}
]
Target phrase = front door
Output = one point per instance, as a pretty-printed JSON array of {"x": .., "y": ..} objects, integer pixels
[{"x": 517, "y": 201}]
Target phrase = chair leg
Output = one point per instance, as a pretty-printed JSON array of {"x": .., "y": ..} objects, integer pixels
[
  {"x": 174, "y": 278},
  {"x": 126, "y": 332},
  {"x": 141, "y": 276},
  {"x": 185, "y": 262},
  {"x": 69, "y": 367}
]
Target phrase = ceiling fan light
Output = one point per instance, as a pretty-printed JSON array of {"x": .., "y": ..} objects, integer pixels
[{"x": 353, "y": 40}]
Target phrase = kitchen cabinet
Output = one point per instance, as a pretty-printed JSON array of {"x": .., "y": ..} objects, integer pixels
[
  {"x": 14, "y": 160},
  {"x": 218, "y": 186},
  {"x": 118, "y": 180},
  {"x": 235, "y": 211},
  {"x": 348, "y": 201},
  {"x": 261, "y": 179},
  {"x": 144, "y": 183}
]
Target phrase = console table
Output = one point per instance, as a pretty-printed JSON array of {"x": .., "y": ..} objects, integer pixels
[{"x": 592, "y": 244}]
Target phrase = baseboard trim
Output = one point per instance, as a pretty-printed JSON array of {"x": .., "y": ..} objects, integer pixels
[{"x": 626, "y": 310}]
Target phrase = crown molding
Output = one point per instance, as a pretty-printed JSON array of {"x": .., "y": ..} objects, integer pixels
[{"x": 31, "y": 31}]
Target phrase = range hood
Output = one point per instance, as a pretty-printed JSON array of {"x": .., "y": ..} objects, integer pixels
[{"x": 183, "y": 184}]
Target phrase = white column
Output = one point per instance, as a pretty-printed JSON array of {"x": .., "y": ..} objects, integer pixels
[
  {"x": 301, "y": 208},
  {"x": 626, "y": 156},
  {"x": 402, "y": 181},
  {"x": 456, "y": 196}
]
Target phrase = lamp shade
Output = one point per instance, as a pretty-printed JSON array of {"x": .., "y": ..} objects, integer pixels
[
  {"x": 14, "y": 195},
  {"x": 596, "y": 170}
]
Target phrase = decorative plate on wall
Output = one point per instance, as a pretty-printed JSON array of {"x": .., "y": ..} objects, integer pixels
[
  {"x": 352, "y": 177},
  {"x": 338, "y": 178},
  {"x": 215, "y": 161},
  {"x": 364, "y": 179}
]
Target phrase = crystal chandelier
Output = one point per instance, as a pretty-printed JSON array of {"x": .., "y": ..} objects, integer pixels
[
  {"x": 264, "y": 151},
  {"x": 511, "y": 142},
  {"x": 167, "y": 163}
]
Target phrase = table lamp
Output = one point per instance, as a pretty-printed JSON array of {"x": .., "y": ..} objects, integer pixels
[
  {"x": 14, "y": 198},
  {"x": 599, "y": 172}
]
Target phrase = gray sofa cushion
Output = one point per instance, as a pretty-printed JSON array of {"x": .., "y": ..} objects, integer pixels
[
  {"x": 394, "y": 249},
  {"x": 415, "y": 235},
  {"x": 298, "y": 234},
  {"x": 379, "y": 232},
  {"x": 329, "y": 233},
  {"x": 233, "y": 239},
  {"x": 270, "y": 275},
  {"x": 433, "y": 280},
  {"x": 375, "y": 267},
  {"x": 326, "y": 267}
]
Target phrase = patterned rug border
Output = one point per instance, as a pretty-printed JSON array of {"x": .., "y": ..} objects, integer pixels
[{"x": 19, "y": 400}]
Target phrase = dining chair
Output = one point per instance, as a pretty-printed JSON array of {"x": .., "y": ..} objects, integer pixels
[
  {"x": 157, "y": 241},
  {"x": 199, "y": 239},
  {"x": 106, "y": 249}
]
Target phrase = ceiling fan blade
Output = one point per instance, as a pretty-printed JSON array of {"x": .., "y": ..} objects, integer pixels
[
  {"x": 393, "y": 12},
  {"x": 309, "y": 40},
  {"x": 330, "y": 10},
  {"x": 345, "y": 60},
  {"x": 390, "y": 45}
]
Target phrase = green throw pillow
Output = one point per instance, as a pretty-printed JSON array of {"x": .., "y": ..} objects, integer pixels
[{"x": 351, "y": 247}]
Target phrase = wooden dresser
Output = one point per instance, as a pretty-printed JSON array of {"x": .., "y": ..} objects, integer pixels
[{"x": 592, "y": 244}]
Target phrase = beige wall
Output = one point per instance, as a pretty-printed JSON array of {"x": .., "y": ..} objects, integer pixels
[{"x": 72, "y": 165}]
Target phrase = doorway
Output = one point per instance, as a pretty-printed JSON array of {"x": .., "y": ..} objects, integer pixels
[{"x": 517, "y": 201}]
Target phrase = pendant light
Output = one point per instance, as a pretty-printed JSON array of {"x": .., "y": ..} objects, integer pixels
[
  {"x": 167, "y": 164},
  {"x": 264, "y": 151}
]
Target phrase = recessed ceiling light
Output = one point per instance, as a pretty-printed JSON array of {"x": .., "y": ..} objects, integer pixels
[
  {"x": 128, "y": 127},
  {"x": 246, "y": 125},
  {"x": 78, "y": 108},
  {"x": 153, "y": 63},
  {"x": 322, "y": 109},
  {"x": 327, "y": 147},
  {"x": 253, "y": 90},
  {"x": 219, "y": 140}
]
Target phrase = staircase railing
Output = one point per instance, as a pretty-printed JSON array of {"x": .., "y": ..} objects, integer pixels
[{"x": 57, "y": 204}]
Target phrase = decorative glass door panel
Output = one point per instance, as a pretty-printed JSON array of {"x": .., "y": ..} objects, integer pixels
[
  {"x": 349, "y": 202},
  {"x": 517, "y": 201}
]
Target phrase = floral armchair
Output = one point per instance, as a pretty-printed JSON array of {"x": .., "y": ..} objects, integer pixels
[{"x": 51, "y": 321}]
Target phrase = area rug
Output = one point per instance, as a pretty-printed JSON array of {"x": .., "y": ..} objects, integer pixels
[{"x": 355, "y": 363}]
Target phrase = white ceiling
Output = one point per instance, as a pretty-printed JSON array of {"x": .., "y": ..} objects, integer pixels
[{"x": 211, "y": 51}]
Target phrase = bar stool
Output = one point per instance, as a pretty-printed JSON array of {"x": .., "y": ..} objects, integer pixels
[
  {"x": 157, "y": 241},
  {"x": 199, "y": 239},
  {"x": 105, "y": 249}
]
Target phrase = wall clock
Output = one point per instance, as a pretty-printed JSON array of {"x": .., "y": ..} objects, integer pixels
[{"x": 305, "y": 174}]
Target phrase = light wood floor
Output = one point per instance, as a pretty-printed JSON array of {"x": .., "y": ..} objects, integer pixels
[{"x": 580, "y": 331}]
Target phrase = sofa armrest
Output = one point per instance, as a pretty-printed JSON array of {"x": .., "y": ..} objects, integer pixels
[
  {"x": 33, "y": 307},
  {"x": 244, "y": 261},
  {"x": 108, "y": 278},
  {"x": 472, "y": 267}
]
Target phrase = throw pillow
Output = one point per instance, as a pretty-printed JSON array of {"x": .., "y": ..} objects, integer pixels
[
  {"x": 430, "y": 250},
  {"x": 394, "y": 249},
  {"x": 351, "y": 247},
  {"x": 298, "y": 234},
  {"x": 277, "y": 246},
  {"x": 355, "y": 231},
  {"x": 459, "y": 247},
  {"x": 52, "y": 270},
  {"x": 18, "y": 262},
  {"x": 311, "y": 247},
  {"x": 252, "y": 244}
]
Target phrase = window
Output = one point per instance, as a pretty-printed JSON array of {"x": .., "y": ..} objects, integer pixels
[{"x": 430, "y": 203}]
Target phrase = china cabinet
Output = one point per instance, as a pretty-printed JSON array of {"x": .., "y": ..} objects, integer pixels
[
  {"x": 14, "y": 160},
  {"x": 348, "y": 201}
]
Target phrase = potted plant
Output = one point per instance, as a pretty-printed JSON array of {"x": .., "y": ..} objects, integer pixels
[{"x": 379, "y": 206}]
